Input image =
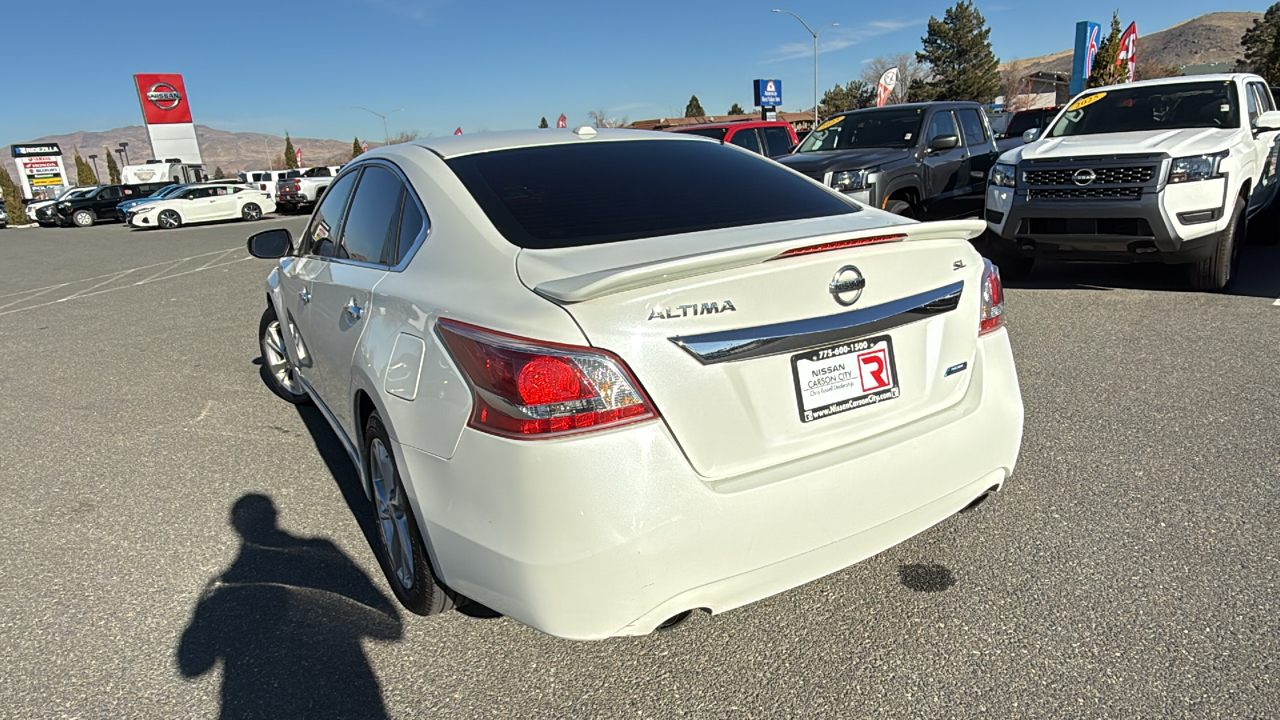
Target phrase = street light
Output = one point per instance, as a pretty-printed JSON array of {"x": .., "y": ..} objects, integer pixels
[
  {"x": 814, "y": 33},
  {"x": 124, "y": 146},
  {"x": 94, "y": 158},
  {"x": 386, "y": 137}
]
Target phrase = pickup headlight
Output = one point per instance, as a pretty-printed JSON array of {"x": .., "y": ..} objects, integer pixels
[
  {"x": 1196, "y": 167},
  {"x": 1004, "y": 175},
  {"x": 850, "y": 180}
]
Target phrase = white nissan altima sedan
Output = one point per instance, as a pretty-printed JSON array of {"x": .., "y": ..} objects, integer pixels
[
  {"x": 201, "y": 203},
  {"x": 598, "y": 380}
]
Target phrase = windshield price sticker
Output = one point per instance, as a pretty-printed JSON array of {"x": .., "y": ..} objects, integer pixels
[
  {"x": 1086, "y": 101},
  {"x": 832, "y": 122},
  {"x": 844, "y": 377}
]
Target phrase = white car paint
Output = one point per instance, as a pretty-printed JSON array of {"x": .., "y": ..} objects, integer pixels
[
  {"x": 202, "y": 203},
  {"x": 725, "y": 497}
]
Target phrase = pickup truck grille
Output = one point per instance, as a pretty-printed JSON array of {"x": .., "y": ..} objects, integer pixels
[
  {"x": 1085, "y": 193},
  {"x": 1102, "y": 176}
]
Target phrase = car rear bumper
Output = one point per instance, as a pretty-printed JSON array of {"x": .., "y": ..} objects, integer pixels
[
  {"x": 289, "y": 198},
  {"x": 613, "y": 533}
]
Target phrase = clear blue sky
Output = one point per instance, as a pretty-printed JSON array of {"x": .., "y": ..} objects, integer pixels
[{"x": 268, "y": 66}]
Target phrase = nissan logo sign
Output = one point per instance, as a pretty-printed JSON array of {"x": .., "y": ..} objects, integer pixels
[
  {"x": 1084, "y": 177},
  {"x": 164, "y": 96},
  {"x": 846, "y": 287}
]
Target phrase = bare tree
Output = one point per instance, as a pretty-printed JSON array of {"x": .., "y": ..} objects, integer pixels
[
  {"x": 910, "y": 72},
  {"x": 601, "y": 120},
  {"x": 1016, "y": 89},
  {"x": 403, "y": 136}
]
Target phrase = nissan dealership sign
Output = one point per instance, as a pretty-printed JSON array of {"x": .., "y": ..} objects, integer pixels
[{"x": 166, "y": 110}]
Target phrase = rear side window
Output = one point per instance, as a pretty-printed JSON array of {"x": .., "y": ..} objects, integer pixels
[
  {"x": 971, "y": 125},
  {"x": 367, "y": 234},
  {"x": 411, "y": 224},
  {"x": 746, "y": 139},
  {"x": 321, "y": 235},
  {"x": 601, "y": 192},
  {"x": 777, "y": 141}
]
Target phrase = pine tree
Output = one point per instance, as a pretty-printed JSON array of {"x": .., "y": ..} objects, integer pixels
[
  {"x": 1106, "y": 70},
  {"x": 218, "y": 174},
  {"x": 113, "y": 170},
  {"x": 958, "y": 52},
  {"x": 1270, "y": 68},
  {"x": 290, "y": 156},
  {"x": 694, "y": 108},
  {"x": 543, "y": 124},
  {"x": 853, "y": 96},
  {"x": 1257, "y": 41},
  {"x": 84, "y": 173},
  {"x": 356, "y": 150},
  {"x": 736, "y": 109},
  {"x": 12, "y": 198}
]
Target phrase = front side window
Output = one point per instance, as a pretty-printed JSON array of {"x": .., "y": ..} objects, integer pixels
[
  {"x": 974, "y": 131},
  {"x": 941, "y": 125},
  {"x": 320, "y": 237},
  {"x": 777, "y": 140},
  {"x": 591, "y": 193},
  {"x": 746, "y": 139},
  {"x": 1173, "y": 106},
  {"x": 375, "y": 212},
  {"x": 880, "y": 128}
]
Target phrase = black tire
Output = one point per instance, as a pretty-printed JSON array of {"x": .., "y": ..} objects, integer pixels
[
  {"x": 270, "y": 348},
  {"x": 900, "y": 207},
  {"x": 1215, "y": 273},
  {"x": 251, "y": 212},
  {"x": 83, "y": 218},
  {"x": 419, "y": 591},
  {"x": 169, "y": 220}
]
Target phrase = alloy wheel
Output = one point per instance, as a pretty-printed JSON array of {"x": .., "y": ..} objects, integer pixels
[
  {"x": 393, "y": 521},
  {"x": 277, "y": 358}
]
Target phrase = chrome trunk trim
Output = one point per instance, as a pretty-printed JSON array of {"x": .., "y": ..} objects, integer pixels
[{"x": 798, "y": 335}]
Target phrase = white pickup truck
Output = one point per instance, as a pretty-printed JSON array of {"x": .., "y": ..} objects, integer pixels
[
  {"x": 295, "y": 193},
  {"x": 1165, "y": 170}
]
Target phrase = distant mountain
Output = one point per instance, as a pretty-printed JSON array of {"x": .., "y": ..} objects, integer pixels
[
  {"x": 1207, "y": 43},
  {"x": 232, "y": 151}
]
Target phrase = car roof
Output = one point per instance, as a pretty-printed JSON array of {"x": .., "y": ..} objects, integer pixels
[
  {"x": 937, "y": 103},
  {"x": 1179, "y": 80},
  {"x": 457, "y": 145},
  {"x": 731, "y": 124}
]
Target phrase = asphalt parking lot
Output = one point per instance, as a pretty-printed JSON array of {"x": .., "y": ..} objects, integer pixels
[{"x": 1131, "y": 567}]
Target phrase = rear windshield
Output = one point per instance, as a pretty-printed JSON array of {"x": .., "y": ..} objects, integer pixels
[
  {"x": 1210, "y": 104},
  {"x": 713, "y": 133},
  {"x": 559, "y": 196}
]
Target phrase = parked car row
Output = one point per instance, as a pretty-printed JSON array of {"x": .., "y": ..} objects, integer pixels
[{"x": 149, "y": 205}]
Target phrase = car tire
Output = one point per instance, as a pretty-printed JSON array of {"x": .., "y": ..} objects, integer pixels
[
  {"x": 1215, "y": 273},
  {"x": 400, "y": 549},
  {"x": 83, "y": 218},
  {"x": 169, "y": 220},
  {"x": 278, "y": 369},
  {"x": 900, "y": 207},
  {"x": 251, "y": 212}
]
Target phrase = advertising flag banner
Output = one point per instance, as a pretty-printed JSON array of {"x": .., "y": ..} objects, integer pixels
[
  {"x": 167, "y": 114},
  {"x": 297, "y": 155},
  {"x": 1128, "y": 57},
  {"x": 458, "y": 131},
  {"x": 884, "y": 88},
  {"x": 364, "y": 148},
  {"x": 563, "y": 122}
]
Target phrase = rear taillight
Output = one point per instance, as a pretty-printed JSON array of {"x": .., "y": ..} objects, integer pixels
[
  {"x": 527, "y": 389},
  {"x": 992, "y": 299}
]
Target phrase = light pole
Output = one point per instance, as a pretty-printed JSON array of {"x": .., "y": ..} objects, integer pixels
[
  {"x": 386, "y": 137},
  {"x": 120, "y": 152},
  {"x": 814, "y": 33},
  {"x": 94, "y": 158},
  {"x": 124, "y": 146}
]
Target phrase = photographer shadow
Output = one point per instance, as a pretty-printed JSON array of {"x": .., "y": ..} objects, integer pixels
[{"x": 286, "y": 620}]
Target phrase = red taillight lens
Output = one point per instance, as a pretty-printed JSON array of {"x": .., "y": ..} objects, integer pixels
[
  {"x": 838, "y": 245},
  {"x": 526, "y": 389},
  {"x": 992, "y": 299}
]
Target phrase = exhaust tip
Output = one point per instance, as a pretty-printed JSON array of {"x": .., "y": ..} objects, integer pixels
[
  {"x": 675, "y": 620},
  {"x": 973, "y": 504}
]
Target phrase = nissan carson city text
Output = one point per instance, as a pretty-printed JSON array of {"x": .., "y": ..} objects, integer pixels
[{"x": 596, "y": 395}]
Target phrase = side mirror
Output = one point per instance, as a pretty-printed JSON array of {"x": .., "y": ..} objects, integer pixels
[
  {"x": 270, "y": 244},
  {"x": 1030, "y": 135},
  {"x": 944, "y": 142},
  {"x": 1268, "y": 121}
]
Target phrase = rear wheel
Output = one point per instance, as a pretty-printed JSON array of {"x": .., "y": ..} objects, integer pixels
[
  {"x": 400, "y": 547},
  {"x": 251, "y": 212},
  {"x": 900, "y": 207},
  {"x": 169, "y": 220},
  {"x": 83, "y": 218},
  {"x": 1215, "y": 273}
]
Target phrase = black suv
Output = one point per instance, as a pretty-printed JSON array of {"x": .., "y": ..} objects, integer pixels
[
  {"x": 922, "y": 160},
  {"x": 100, "y": 204}
]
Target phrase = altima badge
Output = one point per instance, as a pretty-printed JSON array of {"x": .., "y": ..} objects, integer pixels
[
  {"x": 706, "y": 308},
  {"x": 846, "y": 287}
]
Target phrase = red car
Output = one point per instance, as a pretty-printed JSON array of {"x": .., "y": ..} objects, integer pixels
[{"x": 770, "y": 138}]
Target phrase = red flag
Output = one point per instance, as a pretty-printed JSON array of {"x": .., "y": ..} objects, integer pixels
[
  {"x": 1129, "y": 51},
  {"x": 563, "y": 122},
  {"x": 458, "y": 131},
  {"x": 364, "y": 148},
  {"x": 297, "y": 154}
]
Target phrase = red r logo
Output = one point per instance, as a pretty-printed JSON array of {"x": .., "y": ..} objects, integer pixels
[{"x": 873, "y": 370}]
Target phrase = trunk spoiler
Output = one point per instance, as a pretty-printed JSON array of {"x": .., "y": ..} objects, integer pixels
[{"x": 589, "y": 286}]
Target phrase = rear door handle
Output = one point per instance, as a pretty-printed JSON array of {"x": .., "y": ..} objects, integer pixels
[
  {"x": 305, "y": 297},
  {"x": 353, "y": 310}
]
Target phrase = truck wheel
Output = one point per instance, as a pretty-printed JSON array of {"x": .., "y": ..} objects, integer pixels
[
  {"x": 1215, "y": 273},
  {"x": 900, "y": 207},
  {"x": 83, "y": 218}
]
